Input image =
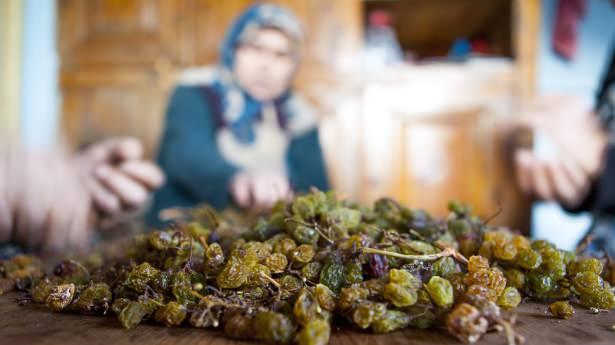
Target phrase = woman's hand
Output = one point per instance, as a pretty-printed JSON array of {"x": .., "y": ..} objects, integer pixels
[
  {"x": 117, "y": 176},
  {"x": 580, "y": 141},
  {"x": 260, "y": 191},
  {"x": 561, "y": 180}
]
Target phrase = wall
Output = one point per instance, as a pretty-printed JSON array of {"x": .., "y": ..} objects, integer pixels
[
  {"x": 580, "y": 77},
  {"x": 40, "y": 96},
  {"x": 10, "y": 65}
]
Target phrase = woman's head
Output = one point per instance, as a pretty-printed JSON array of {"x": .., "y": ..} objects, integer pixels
[{"x": 262, "y": 51}]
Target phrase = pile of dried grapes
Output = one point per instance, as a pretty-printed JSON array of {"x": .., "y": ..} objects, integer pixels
[{"x": 318, "y": 261}]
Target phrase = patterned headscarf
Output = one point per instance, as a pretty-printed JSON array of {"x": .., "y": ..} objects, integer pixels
[{"x": 240, "y": 111}]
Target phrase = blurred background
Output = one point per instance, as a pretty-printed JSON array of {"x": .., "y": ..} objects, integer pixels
[{"x": 414, "y": 97}]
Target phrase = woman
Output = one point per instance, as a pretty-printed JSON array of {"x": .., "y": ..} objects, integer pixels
[{"x": 236, "y": 133}]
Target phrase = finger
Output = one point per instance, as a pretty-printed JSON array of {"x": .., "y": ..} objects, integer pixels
[
  {"x": 262, "y": 193},
  {"x": 58, "y": 215},
  {"x": 281, "y": 187},
  {"x": 126, "y": 148},
  {"x": 75, "y": 217},
  {"x": 290, "y": 196},
  {"x": 80, "y": 231},
  {"x": 256, "y": 195},
  {"x": 241, "y": 191},
  {"x": 564, "y": 188},
  {"x": 273, "y": 187},
  {"x": 523, "y": 161},
  {"x": 96, "y": 154},
  {"x": 55, "y": 239},
  {"x": 541, "y": 182},
  {"x": 70, "y": 224},
  {"x": 145, "y": 172},
  {"x": 104, "y": 200},
  {"x": 36, "y": 197},
  {"x": 575, "y": 173},
  {"x": 130, "y": 192}
]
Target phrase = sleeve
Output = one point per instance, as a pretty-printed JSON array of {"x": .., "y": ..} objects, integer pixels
[
  {"x": 608, "y": 78},
  {"x": 605, "y": 187},
  {"x": 189, "y": 155},
  {"x": 601, "y": 198},
  {"x": 306, "y": 164}
]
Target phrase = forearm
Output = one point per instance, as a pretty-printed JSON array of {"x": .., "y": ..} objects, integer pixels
[{"x": 45, "y": 199}]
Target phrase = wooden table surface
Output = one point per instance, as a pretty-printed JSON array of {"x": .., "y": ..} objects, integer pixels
[{"x": 34, "y": 324}]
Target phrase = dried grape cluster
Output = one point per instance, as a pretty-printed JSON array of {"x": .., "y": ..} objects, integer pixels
[{"x": 318, "y": 261}]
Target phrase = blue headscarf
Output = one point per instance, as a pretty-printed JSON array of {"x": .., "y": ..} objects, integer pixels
[{"x": 240, "y": 110}]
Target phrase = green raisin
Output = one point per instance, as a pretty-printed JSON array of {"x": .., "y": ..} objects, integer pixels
[
  {"x": 561, "y": 309},
  {"x": 332, "y": 274},
  {"x": 392, "y": 320},
  {"x": 302, "y": 254},
  {"x": 367, "y": 312},
  {"x": 528, "y": 259},
  {"x": 315, "y": 332},
  {"x": 441, "y": 291},
  {"x": 510, "y": 298},
  {"x": 404, "y": 278},
  {"x": 172, "y": 314},
  {"x": 353, "y": 272},
  {"x": 234, "y": 274},
  {"x": 276, "y": 262},
  {"x": 273, "y": 328},
  {"x": 399, "y": 296}
]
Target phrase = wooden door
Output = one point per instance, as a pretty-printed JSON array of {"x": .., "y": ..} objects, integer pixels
[{"x": 109, "y": 52}]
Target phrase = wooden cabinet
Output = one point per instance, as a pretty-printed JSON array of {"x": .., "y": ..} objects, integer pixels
[{"x": 431, "y": 133}]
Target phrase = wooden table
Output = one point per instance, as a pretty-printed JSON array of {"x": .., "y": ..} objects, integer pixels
[{"x": 34, "y": 324}]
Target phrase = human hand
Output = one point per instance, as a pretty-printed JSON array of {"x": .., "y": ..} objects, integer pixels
[
  {"x": 44, "y": 196},
  {"x": 117, "y": 176},
  {"x": 260, "y": 191},
  {"x": 580, "y": 142}
]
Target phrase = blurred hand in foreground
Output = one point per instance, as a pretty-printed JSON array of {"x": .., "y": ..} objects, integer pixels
[
  {"x": 44, "y": 201},
  {"x": 50, "y": 202},
  {"x": 580, "y": 142}
]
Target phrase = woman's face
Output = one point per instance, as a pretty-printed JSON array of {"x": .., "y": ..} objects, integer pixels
[{"x": 265, "y": 65}]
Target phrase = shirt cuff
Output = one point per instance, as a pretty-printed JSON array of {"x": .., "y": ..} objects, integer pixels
[{"x": 605, "y": 187}]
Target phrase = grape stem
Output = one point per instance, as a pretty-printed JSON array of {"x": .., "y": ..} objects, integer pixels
[
  {"x": 584, "y": 244},
  {"x": 456, "y": 254},
  {"x": 271, "y": 280},
  {"x": 156, "y": 302},
  {"x": 512, "y": 337},
  {"x": 196, "y": 294},
  {"x": 203, "y": 242},
  {"x": 425, "y": 257},
  {"x": 313, "y": 226}
]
